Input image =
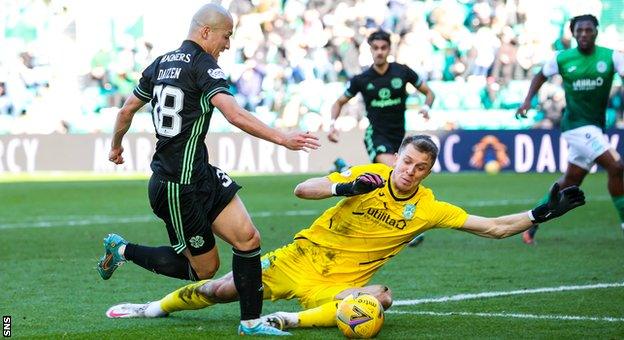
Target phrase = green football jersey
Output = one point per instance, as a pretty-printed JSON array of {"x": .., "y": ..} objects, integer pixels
[{"x": 587, "y": 83}]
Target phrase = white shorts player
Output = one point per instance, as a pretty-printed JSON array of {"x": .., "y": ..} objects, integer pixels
[{"x": 585, "y": 144}]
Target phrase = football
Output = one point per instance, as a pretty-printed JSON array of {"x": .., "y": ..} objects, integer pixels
[
  {"x": 492, "y": 167},
  {"x": 360, "y": 317}
]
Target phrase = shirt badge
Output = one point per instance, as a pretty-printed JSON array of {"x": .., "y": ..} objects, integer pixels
[
  {"x": 216, "y": 73},
  {"x": 601, "y": 66},
  {"x": 409, "y": 210},
  {"x": 196, "y": 241},
  {"x": 396, "y": 83}
]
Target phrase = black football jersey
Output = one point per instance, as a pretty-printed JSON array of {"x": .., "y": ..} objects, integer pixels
[
  {"x": 179, "y": 85},
  {"x": 384, "y": 96}
]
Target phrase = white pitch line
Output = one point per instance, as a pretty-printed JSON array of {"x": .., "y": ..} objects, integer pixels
[
  {"x": 58, "y": 221},
  {"x": 462, "y": 297},
  {"x": 513, "y": 315},
  {"x": 62, "y": 221}
]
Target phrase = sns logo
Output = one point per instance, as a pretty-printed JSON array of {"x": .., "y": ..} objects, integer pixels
[
  {"x": 216, "y": 73},
  {"x": 6, "y": 326}
]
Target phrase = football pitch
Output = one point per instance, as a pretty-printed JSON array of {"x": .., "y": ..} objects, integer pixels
[{"x": 454, "y": 285}]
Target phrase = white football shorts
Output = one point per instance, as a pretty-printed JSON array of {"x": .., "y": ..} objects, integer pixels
[{"x": 585, "y": 144}]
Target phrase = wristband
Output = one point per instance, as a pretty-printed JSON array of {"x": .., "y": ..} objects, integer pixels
[
  {"x": 531, "y": 217},
  {"x": 333, "y": 189},
  {"x": 425, "y": 107}
]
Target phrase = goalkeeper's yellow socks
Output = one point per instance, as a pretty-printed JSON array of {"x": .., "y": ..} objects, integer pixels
[
  {"x": 186, "y": 298},
  {"x": 321, "y": 316}
]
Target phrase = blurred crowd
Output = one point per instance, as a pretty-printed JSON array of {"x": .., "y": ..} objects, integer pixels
[{"x": 290, "y": 59}]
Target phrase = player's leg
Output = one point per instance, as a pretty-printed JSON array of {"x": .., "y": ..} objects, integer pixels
[
  {"x": 193, "y": 254},
  {"x": 386, "y": 158},
  {"x": 324, "y": 313},
  {"x": 193, "y": 296},
  {"x": 176, "y": 206},
  {"x": 234, "y": 225},
  {"x": 585, "y": 144},
  {"x": 574, "y": 175},
  {"x": 381, "y": 292},
  {"x": 612, "y": 163}
]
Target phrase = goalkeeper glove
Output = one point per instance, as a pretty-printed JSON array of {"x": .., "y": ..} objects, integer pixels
[
  {"x": 559, "y": 203},
  {"x": 364, "y": 183}
]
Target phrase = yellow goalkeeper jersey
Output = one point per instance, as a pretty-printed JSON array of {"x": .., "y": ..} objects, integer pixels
[{"x": 367, "y": 230}]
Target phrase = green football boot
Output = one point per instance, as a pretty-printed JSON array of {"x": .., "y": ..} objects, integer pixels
[{"x": 111, "y": 259}]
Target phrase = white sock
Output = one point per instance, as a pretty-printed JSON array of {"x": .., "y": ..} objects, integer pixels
[
  {"x": 121, "y": 250},
  {"x": 292, "y": 319},
  {"x": 153, "y": 310}
]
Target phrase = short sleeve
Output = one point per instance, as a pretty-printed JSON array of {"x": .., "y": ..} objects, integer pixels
[
  {"x": 412, "y": 77},
  {"x": 550, "y": 67},
  {"x": 210, "y": 77},
  {"x": 145, "y": 88},
  {"x": 446, "y": 215},
  {"x": 618, "y": 62},
  {"x": 353, "y": 87}
]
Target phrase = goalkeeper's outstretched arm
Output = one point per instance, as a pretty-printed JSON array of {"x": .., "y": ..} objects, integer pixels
[
  {"x": 321, "y": 187},
  {"x": 559, "y": 203}
]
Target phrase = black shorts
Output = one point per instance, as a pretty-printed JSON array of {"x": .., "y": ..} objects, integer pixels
[
  {"x": 188, "y": 210},
  {"x": 377, "y": 143}
]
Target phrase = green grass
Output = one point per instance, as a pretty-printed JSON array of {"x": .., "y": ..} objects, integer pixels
[{"x": 51, "y": 234}]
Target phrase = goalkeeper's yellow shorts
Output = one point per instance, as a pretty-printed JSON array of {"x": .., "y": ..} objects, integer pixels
[{"x": 303, "y": 270}]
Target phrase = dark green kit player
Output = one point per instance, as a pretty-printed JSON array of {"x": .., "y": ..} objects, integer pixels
[
  {"x": 194, "y": 199},
  {"x": 383, "y": 87},
  {"x": 587, "y": 73}
]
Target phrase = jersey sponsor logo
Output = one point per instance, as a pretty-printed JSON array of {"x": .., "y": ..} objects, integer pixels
[
  {"x": 176, "y": 57},
  {"x": 196, "y": 241},
  {"x": 385, "y": 100},
  {"x": 396, "y": 83},
  {"x": 217, "y": 73},
  {"x": 408, "y": 211},
  {"x": 587, "y": 84},
  {"x": 382, "y": 216},
  {"x": 601, "y": 67}
]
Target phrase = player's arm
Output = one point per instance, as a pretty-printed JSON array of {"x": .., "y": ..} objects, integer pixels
[
  {"x": 322, "y": 187},
  {"x": 247, "y": 122},
  {"x": 429, "y": 98},
  {"x": 536, "y": 84},
  {"x": 559, "y": 203},
  {"x": 336, "y": 108},
  {"x": 550, "y": 68},
  {"x": 122, "y": 124}
]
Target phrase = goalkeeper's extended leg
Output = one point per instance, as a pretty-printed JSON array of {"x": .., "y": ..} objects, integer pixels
[
  {"x": 188, "y": 297},
  {"x": 196, "y": 295},
  {"x": 325, "y": 314}
]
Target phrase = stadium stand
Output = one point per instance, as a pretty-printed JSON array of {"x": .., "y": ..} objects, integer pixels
[{"x": 66, "y": 66}]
